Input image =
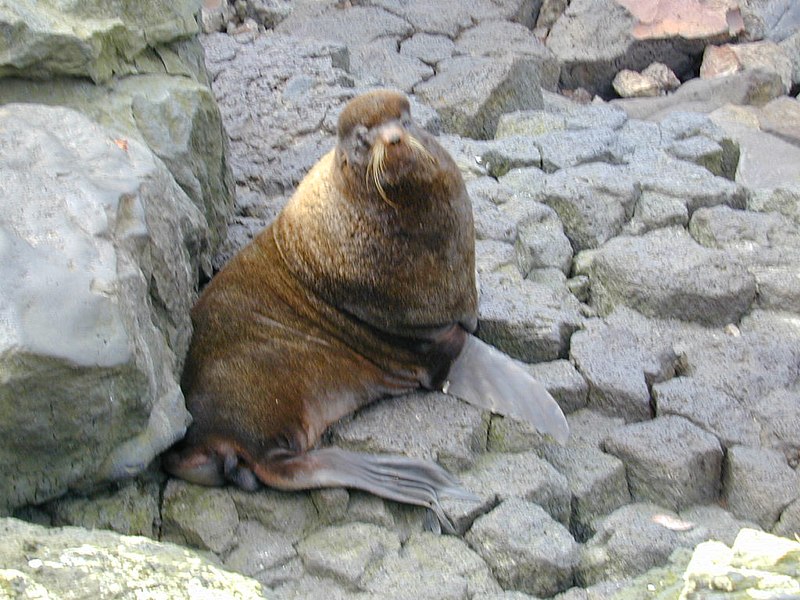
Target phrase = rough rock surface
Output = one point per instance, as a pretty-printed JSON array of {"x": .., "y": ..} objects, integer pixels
[
  {"x": 559, "y": 184},
  {"x": 118, "y": 239},
  {"x": 60, "y": 563}
]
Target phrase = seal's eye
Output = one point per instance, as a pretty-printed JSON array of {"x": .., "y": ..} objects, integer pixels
[{"x": 361, "y": 137}]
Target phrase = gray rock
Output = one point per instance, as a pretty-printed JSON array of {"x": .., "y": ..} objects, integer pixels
[
  {"x": 492, "y": 256},
  {"x": 529, "y": 123},
  {"x": 279, "y": 128},
  {"x": 492, "y": 222},
  {"x": 133, "y": 509},
  {"x": 291, "y": 514},
  {"x": 596, "y": 480},
  {"x": 560, "y": 150},
  {"x": 56, "y": 563},
  {"x": 631, "y": 540},
  {"x": 531, "y": 322},
  {"x": 711, "y": 409},
  {"x": 427, "y": 47},
  {"x": 595, "y": 116},
  {"x": 770, "y": 19},
  {"x": 482, "y": 40},
  {"x": 784, "y": 200},
  {"x": 198, "y": 517},
  {"x": 379, "y": 62},
  {"x": 655, "y": 211},
  {"x": 525, "y": 548},
  {"x": 331, "y": 504},
  {"x": 706, "y": 95},
  {"x": 564, "y": 382},
  {"x": 523, "y": 476},
  {"x": 791, "y": 46},
  {"x": 590, "y": 428},
  {"x": 720, "y": 524},
  {"x": 594, "y": 39},
  {"x": 175, "y": 116},
  {"x": 621, "y": 357},
  {"x": 541, "y": 243},
  {"x": 704, "y": 152},
  {"x": 605, "y": 590},
  {"x": 346, "y": 552},
  {"x": 470, "y": 93},
  {"x": 267, "y": 556},
  {"x": 758, "y": 484},
  {"x": 431, "y": 566},
  {"x": 594, "y": 201},
  {"x": 789, "y": 523},
  {"x": 778, "y": 414},
  {"x": 115, "y": 41},
  {"x": 425, "y": 425},
  {"x": 115, "y": 236},
  {"x": 712, "y": 287},
  {"x": 353, "y": 26},
  {"x": 511, "y": 152},
  {"x": 670, "y": 461}
]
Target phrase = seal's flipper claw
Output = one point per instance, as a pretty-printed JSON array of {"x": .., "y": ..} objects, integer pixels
[
  {"x": 398, "y": 478},
  {"x": 487, "y": 378}
]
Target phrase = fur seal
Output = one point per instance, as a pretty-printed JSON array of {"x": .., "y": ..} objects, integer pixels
[{"x": 363, "y": 287}]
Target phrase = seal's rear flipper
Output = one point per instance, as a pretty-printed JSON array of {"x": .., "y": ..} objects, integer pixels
[
  {"x": 487, "y": 378},
  {"x": 398, "y": 478}
]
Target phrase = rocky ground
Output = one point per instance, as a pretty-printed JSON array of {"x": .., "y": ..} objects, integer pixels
[{"x": 641, "y": 255}]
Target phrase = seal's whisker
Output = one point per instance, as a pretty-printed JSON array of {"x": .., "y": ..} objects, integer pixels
[
  {"x": 420, "y": 149},
  {"x": 375, "y": 167}
]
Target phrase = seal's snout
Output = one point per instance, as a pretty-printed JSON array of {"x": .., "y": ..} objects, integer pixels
[{"x": 391, "y": 134}]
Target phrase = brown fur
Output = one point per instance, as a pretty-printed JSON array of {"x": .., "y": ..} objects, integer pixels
[{"x": 346, "y": 298}]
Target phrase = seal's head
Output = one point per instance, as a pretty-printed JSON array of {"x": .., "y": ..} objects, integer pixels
[{"x": 381, "y": 149}]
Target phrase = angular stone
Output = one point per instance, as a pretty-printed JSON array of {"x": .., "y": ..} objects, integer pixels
[
  {"x": 631, "y": 84},
  {"x": 778, "y": 414},
  {"x": 655, "y": 211},
  {"x": 789, "y": 524},
  {"x": 573, "y": 148},
  {"x": 663, "y": 76},
  {"x": 670, "y": 461},
  {"x": 524, "y": 476},
  {"x": 289, "y": 513},
  {"x": 40, "y": 562},
  {"x": 711, "y": 287},
  {"x": 707, "y": 95},
  {"x": 511, "y": 152},
  {"x": 631, "y": 540},
  {"x": 431, "y": 426},
  {"x": 266, "y": 556},
  {"x": 380, "y": 62},
  {"x": 784, "y": 200},
  {"x": 700, "y": 151},
  {"x": 482, "y": 39},
  {"x": 431, "y": 566},
  {"x": 541, "y": 243},
  {"x": 492, "y": 256},
  {"x": 720, "y": 523},
  {"x": 758, "y": 484},
  {"x": 131, "y": 510},
  {"x": 531, "y": 322},
  {"x": 564, "y": 382},
  {"x": 529, "y": 123},
  {"x": 117, "y": 40},
  {"x": 711, "y": 409},
  {"x": 470, "y": 93},
  {"x": 621, "y": 357},
  {"x": 345, "y": 552},
  {"x": 90, "y": 391},
  {"x": 597, "y": 483},
  {"x": 427, "y": 47},
  {"x": 594, "y": 39},
  {"x": 593, "y": 201},
  {"x": 767, "y": 56},
  {"x": 698, "y": 19},
  {"x": 355, "y": 26},
  {"x": 525, "y": 548},
  {"x": 199, "y": 517},
  {"x": 589, "y": 428}
]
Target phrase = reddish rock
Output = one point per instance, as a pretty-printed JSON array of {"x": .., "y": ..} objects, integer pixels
[{"x": 691, "y": 19}]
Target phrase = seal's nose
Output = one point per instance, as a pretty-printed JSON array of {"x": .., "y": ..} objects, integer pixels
[{"x": 391, "y": 134}]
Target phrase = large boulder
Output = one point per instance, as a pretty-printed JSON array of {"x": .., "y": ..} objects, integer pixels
[
  {"x": 69, "y": 562},
  {"x": 103, "y": 249}
]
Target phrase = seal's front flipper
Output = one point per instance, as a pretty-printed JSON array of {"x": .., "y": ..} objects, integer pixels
[
  {"x": 398, "y": 478},
  {"x": 487, "y": 378}
]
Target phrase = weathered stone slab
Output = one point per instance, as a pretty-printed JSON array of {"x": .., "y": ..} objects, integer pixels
[
  {"x": 666, "y": 274},
  {"x": 670, "y": 461},
  {"x": 199, "y": 517},
  {"x": 525, "y": 548}
]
